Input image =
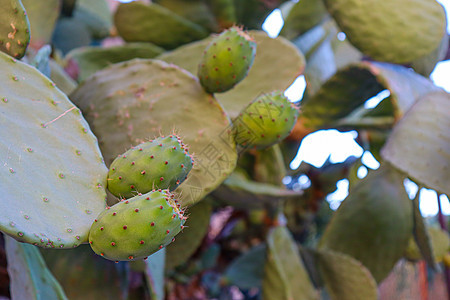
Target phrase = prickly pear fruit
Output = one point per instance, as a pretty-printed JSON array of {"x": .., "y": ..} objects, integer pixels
[
  {"x": 226, "y": 60},
  {"x": 135, "y": 228},
  {"x": 162, "y": 163},
  {"x": 265, "y": 121}
]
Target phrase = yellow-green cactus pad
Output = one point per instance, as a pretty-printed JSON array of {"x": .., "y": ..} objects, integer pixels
[
  {"x": 374, "y": 223},
  {"x": 397, "y": 31},
  {"x": 423, "y": 133},
  {"x": 139, "y": 22},
  {"x": 14, "y": 28}
]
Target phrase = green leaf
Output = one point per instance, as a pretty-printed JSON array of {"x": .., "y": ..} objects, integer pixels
[
  {"x": 285, "y": 276},
  {"x": 155, "y": 274},
  {"x": 340, "y": 101},
  {"x": 133, "y": 101},
  {"x": 87, "y": 276},
  {"x": 28, "y": 274},
  {"x": 345, "y": 278},
  {"x": 303, "y": 16},
  {"x": 53, "y": 174},
  {"x": 277, "y": 64},
  {"x": 247, "y": 270},
  {"x": 14, "y": 28},
  {"x": 374, "y": 223},
  {"x": 187, "y": 241},
  {"x": 92, "y": 59},
  {"x": 420, "y": 143},
  {"x": 139, "y": 22},
  {"x": 397, "y": 31}
]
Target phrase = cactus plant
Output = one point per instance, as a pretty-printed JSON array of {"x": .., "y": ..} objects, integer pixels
[
  {"x": 53, "y": 177},
  {"x": 134, "y": 101},
  {"x": 137, "y": 227}
]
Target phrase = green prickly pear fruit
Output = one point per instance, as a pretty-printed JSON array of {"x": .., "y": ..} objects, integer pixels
[
  {"x": 265, "y": 121},
  {"x": 226, "y": 60},
  {"x": 135, "y": 228},
  {"x": 162, "y": 163}
]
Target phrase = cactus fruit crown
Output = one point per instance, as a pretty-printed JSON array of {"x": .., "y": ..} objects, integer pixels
[
  {"x": 226, "y": 60},
  {"x": 265, "y": 121},
  {"x": 160, "y": 163},
  {"x": 136, "y": 228}
]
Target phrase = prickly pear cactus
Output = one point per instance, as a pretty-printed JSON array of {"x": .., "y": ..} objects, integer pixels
[
  {"x": 52, "y": 172},
  {"x": 266, "y": 121},
  {"x": 162, "y": 163},
  {"x": 226, "y": 60},
  {"x": 14, "y": 28},
  {"x": 136, "y": 228},
  {"x": 374, "y": 223},
  {"x": 134, "y": 101}
]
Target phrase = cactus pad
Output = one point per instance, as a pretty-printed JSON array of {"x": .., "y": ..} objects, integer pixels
[
  {"x": 134, "y": 101},
  {"x": 139, "y": 22},
  {"x": 137, "y": 227},
  {"x": 14, "y": 28},
  {"x": 226, "y": 60},
  {"x": 162, "y": 163},
  {"x": 374, "y": 223},
  {"x": 92, "y": 59},
  {"x": 266, "y": 121},
  {"x": 52, "y": 172},
  {"x": 397, "y": 31}
]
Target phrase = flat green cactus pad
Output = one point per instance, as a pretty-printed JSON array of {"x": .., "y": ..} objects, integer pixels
[
  {"x": 345, "y": 277},
  {"x": 303, "y": 16},
  {"x": 43, "y": 16},
  {"x": 131, "y": 102},
  {"x": 92, "y": 59},
  {"x": 341, "y": 99},
  {"x": 285, "y": 276},
  {"x": 52, "y": 173},
  {"x": 14, "y": 28},
  {"x": 397, "y": 31},
  {"x": 423, "y": 132},
  {"x": 139, "y": 22},
  {"x": 277, "y": 64},
  {"x": 374, "y": 223}
]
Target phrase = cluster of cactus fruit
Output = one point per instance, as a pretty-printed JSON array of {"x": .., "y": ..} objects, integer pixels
[{"x": 222, "y": 134}]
